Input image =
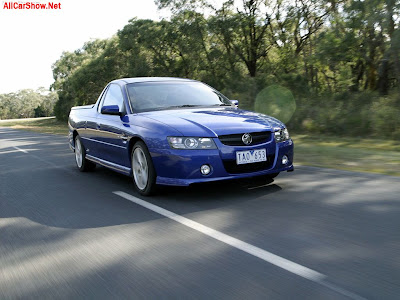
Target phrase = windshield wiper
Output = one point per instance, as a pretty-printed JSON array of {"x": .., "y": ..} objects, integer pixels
[{"x": 184, "y": 105}]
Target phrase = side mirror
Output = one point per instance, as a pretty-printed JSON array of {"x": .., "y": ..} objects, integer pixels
[
  {"x": 235, "y": 102},
  {"x": 110, "y": 110}
]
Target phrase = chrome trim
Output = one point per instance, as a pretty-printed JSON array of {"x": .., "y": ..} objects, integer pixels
[
  {"x": 108, "y": 164},
  {"x": 102, "y": 142},
  {"x": 247, "y": 138}
]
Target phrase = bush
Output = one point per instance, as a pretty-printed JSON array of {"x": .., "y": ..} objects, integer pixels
[
  {"x": 386, "y": 116},
  {"x": 348, "y": 114}
]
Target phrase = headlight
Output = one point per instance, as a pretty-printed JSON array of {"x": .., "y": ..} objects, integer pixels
[
  {"x": 191, "y": 143},
  {"x": 282, "y": 135}
]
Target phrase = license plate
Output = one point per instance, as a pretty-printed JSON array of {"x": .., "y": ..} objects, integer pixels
[{"x": 251, "y": 156}]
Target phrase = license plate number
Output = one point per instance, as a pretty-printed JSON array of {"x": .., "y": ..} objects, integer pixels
[{"x": 251, "y": 156}]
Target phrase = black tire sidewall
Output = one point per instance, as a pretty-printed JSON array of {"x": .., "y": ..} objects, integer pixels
[
  {"x": 86, "y": 165},
  {"x": 151, "y": 180}
]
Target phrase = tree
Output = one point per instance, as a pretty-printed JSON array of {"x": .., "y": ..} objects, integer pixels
[{"x": 27, "y": 104}]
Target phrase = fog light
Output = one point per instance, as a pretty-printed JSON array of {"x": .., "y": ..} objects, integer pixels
[
  {"x": 285, "y": 160},
  {"x": 205, "y": 169}
]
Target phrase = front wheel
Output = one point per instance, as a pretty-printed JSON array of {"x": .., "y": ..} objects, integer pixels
[
  {"x": 144, "y": 175},
  {"x": 80, "y": 157}
]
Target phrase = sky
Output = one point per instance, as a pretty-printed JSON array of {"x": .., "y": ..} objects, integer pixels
[{"x": 32, "y": 40}]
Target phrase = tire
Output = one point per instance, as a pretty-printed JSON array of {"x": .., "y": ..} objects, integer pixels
[
  {"x": 143, "y": 172},
  {"x": 82, "y": 163},
  {"x": 272, "y": 176}
]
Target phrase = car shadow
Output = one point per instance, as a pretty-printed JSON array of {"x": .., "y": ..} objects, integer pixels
[{"x": 197, "y": 197}]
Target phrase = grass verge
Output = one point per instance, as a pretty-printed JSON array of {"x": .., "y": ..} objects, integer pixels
[
  {"x": 352, "y": 154},
  {"x": 45, "y": 125}
]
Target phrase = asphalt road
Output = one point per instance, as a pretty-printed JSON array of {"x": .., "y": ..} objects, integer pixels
[{"x": 66, "y": 234}]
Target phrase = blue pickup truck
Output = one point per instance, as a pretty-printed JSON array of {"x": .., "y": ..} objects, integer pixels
[{"x": 173, "y": 131}]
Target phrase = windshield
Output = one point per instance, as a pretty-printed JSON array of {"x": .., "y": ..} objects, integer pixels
[{"x": 147, "y": 96}]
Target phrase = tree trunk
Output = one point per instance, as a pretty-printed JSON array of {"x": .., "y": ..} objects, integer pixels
[
  {"x": 383, "y": 73},
  {"x": 252, "y": 67}
]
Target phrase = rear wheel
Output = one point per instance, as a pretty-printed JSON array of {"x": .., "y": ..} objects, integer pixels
[
  {"x": 144, "y": 175},
  {"x": 80, "y": 157}
]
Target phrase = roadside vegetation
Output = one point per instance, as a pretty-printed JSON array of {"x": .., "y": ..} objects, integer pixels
[
  {"x": 324, "y": 67},
  {"x": 41, "y": 125},
  {"x": 353, "y": 154},
  {"x": 27, "y": 104}
]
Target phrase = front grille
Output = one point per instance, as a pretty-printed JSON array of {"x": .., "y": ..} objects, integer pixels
[
  {"x": 233, "y": 168},
  {"x": 236, "y": 139}
]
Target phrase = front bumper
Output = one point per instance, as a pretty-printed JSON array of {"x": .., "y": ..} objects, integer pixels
[{"x": 182, "y": 167}]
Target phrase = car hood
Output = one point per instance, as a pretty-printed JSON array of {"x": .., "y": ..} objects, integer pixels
[{"x": 212, "y": 122}]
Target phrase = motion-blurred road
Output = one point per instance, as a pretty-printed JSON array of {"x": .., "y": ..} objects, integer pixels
[{"x": 65, "y": 234}]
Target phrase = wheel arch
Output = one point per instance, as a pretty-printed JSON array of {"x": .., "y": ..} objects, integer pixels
[
  {"x": 132, "y": 142},
  {"x": 74, "y": 134}
]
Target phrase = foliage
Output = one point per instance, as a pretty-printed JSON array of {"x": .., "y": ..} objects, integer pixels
[
  {"x": 27, "y": 104},
  {"x": 339, "y": 59},
  {"x": 386, "y": 117},
  {"x": 277, "y": 102},
  {"x": 89, "y": 69}
]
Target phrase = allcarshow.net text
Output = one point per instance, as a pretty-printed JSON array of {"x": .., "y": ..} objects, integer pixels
[{"x": 31, "y": 5}]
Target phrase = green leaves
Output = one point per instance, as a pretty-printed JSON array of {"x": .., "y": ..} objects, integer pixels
[
  {"x": 276, "y": 101},
  {"x": 264, "y": 53},
  {"x": 27, "y": 104}
]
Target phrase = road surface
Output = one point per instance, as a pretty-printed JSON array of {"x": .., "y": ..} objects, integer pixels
[{"x": 311, "y": 234}]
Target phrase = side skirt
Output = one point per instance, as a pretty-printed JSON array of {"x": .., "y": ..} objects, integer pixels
[{"x": 115, "y": 167}]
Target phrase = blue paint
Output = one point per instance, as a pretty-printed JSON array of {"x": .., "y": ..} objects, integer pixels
[{"x": 108, "y": 137}]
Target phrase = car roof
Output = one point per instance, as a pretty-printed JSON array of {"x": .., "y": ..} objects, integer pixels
[{"x": 150, "y": 79}]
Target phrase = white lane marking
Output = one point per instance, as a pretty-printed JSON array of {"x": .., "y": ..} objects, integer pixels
[
  {"x": 246, "y": 247},
  {"x": 9, "y": 151},
  {"x": 276, "y": 260},
  {"x": 22, "y": 150}
]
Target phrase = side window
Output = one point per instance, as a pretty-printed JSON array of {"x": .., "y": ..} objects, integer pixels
[{"x": 114, "y": 97}]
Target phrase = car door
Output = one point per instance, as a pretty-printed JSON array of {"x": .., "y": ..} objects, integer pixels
[
  {"x": 91, "y": 129},
  {"x": 111, "y": 142}
]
